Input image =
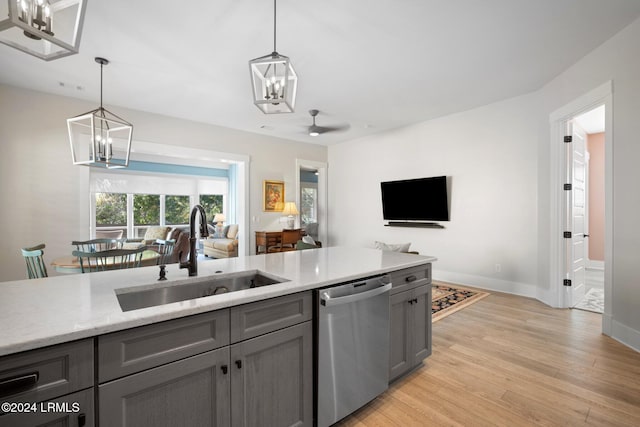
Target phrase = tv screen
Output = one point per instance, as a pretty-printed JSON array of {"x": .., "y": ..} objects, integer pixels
[{"x": 423, "y": 199}]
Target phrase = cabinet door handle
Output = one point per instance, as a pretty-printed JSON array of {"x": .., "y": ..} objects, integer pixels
[
  {"x": 224, "y": 368},
  {"x": 415, "y": 300},
  {"x": 239, "y": 364},
  {"x": 410, "y": 301},
  {"x": 411, "y": 278},
  {"x": 82, "y": 420},
  {"x": 19, "y": 383}
]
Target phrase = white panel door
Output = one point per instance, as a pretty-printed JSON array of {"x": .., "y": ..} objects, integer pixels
[{"x": 576, "y": 202}]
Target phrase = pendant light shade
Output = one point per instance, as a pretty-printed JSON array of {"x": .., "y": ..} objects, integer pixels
[
  {"x": 47, "y": 29},
  {"x": 100, "y": 138},
  {"x": 274, "y": 80}
]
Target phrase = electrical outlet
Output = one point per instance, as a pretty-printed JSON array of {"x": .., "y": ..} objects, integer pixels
[{"x": 498, "y": 268}]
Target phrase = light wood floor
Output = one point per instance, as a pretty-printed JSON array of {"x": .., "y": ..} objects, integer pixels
[{"x": 512, "y": 361}]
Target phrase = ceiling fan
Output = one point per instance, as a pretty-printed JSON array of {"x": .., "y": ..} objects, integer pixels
[{"x": 315, "y": 130}]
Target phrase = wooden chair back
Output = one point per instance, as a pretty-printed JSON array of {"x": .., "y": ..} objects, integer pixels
[
  {"x": 112, "y": 259},
  {"x": 165, "y": 249},
  {"x": 97, "y": 245},
  {"x": 289, "y": 239},
  {"x": 35, "y": 262}
]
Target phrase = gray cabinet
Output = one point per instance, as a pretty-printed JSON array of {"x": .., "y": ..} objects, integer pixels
[
  {"x": 272, "y": 379},
  {"x": 190, "y": 392},
  {"x": 133, "y": 350},
  {"x": 72, "y": 410},
  {"x": 205, "y": 371},
  {"x": 410, "y": 337},
  {"x": 52, "y": 380}
]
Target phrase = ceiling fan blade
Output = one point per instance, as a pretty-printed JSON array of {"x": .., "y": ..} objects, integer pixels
[{"x": 340, "y": 128}]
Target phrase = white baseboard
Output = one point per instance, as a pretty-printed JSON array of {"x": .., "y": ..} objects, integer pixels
[
  {"x": 626, "y": 335},
  {"x": 488, "y": 283}
]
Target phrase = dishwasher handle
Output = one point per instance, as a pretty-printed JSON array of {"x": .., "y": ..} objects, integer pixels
[{"x": 328, "y": 302}]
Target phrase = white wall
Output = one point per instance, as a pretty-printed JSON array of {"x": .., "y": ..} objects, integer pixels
[
  {"x": 46, "y": 199},
  {"x": 499, "y": 158},
  {"x": 617, "y": 60},
  {"x": 491, "y": 155}
]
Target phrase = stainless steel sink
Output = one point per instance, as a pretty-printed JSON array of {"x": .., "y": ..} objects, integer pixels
[{"x": 131, "y": 299}]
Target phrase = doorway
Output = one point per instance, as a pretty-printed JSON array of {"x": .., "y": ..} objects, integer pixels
[
  {"x": 566, "y": 255},
  {"x": 311, "y": 196},
  {"x": 589, "y": 128}
]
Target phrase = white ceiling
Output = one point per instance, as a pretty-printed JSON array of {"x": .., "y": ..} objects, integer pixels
[{"x": 375, "y": 64}]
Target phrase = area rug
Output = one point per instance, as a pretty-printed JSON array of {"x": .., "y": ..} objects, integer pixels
[
  {"x": 593, "y": 301},
  {"x": 447, "y": 299}
]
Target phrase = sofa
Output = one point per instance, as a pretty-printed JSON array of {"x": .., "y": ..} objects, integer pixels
[
  {"x": 221, "y": 243},
  {"x": 179, "y": 235}
]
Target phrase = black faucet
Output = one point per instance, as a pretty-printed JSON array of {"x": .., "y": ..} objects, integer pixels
[{"x": 192, "y": 263}]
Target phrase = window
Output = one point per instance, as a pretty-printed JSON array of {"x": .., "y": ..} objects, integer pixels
[
  {"x": 212, "y": 204},
  {"x": 146, "y": 211},
  {"x": 177, "y": 210},
  {"x": 308, "y": 204},
  {"x": 111, "y": 211}
]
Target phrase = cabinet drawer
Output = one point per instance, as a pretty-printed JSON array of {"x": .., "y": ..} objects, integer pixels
[
  {"x": 261, "y": 317},
  {"x": 72, "y": 410},
  {"x": 410, "y": 278},
  {"x": 133, "y": 350},
  {"x": 46, "y": 373},
  {"x": 190, "y": 392}
]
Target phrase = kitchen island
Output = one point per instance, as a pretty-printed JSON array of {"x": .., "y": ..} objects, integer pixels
[{"x": 78, "y": 309}]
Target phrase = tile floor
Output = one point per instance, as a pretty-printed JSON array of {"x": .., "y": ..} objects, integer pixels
[{"x": 594, "y": 292}]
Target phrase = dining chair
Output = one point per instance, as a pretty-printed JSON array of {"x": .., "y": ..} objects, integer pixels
[
  {"x": 111, "y": 259},
  {"x": 97, "y": 245},
  {"x": 165, "y": 249},
  {"x": 288, "y": 241},
  {"x": 35, "y": 262}
]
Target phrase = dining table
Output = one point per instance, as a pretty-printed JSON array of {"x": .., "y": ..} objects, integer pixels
[{"x": 71, "y": 263}]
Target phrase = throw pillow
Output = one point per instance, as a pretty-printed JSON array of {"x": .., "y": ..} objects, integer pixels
[
  {"x": 402, "y": 247},
  {"x": 231, "y": 232},
  {"x": 154, "y": 233}
]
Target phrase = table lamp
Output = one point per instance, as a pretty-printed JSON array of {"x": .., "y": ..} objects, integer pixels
[
  {"x": 290, "y": 210},
  {"x": 219, "y": 218}
]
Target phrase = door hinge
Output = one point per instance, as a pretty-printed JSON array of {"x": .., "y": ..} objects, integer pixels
[
  {"x": 567, "y": 235},
  {"x": 566, "y": 282},
  {"x": 568, "y": 187},
  {"x": 568, "y": 139}
]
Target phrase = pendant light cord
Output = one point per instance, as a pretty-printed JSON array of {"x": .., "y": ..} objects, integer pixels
[
  {"x": 101, "y": 65},
  {"x": 274, "y": 26}
]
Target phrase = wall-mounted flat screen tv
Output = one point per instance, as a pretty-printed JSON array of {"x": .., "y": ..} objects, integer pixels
[{"x": 423, "y": 199}]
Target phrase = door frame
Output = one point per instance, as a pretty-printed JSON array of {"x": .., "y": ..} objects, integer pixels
[
  {"x": 323, "y": 212},
  {"x": 559, "y": 295}
]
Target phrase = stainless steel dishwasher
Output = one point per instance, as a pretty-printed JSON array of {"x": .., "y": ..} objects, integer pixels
[{"x": 353, "y": 347}]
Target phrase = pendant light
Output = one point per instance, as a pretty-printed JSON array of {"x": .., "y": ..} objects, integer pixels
[
  {"x": 273, "y": 79},
  {"x": 47, "y": 29},
  {"x": 99, "y": 137}
]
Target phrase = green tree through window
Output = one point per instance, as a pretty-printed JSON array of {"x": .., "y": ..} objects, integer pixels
[
  {"x": 146, "y": 209},
  {"x": 111, "y": 209},
  {"x": 212, "y": 204},
  {"x": 176, "y": 210}
]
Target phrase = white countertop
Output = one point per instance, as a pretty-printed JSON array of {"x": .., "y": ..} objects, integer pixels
[{"x": 41, "y": 312}]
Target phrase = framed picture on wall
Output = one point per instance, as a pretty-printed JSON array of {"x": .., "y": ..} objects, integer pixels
[{"x": 273, "y": 196}]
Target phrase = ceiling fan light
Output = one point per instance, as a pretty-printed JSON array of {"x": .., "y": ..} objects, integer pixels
[{"x": 313, "y": 131}]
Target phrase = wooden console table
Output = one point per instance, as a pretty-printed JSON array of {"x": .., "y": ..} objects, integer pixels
[{"x": 267, "y": 239}]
